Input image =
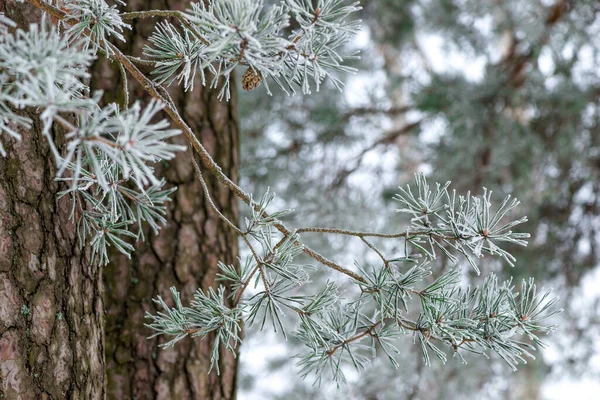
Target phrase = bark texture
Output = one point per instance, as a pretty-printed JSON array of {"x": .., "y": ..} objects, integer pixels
[
  {"x": 184, "y": 254},
  {"x": 51, "y": 311}
]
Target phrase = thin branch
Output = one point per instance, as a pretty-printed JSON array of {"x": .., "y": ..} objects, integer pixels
[
  {"x": 128, "y": 16},
  {"x": 362, "y": 111},
  {"x": 354, "y": 338},
  {"x": 65, "y": 123},
  {"x": 242, "y": 289},
  {"x": 207, "y": 160},
  {"x": 237, "y": 230},
  {"x": 387, "y": 139},
  {"x": 361, "y": 235},
  {"x": 125, "y": 88},
  {"x": 141, "y": 61},
  {"x": 208, "y": 196},
  {"x": 259, "y": 262},
  {"x": 165, "y": 13},
  {"x": 379, "y": 253}
]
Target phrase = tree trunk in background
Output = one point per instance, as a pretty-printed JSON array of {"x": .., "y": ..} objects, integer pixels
[
  {"x": 184, "y": 254},
  {"x": 51, "y": 311}
]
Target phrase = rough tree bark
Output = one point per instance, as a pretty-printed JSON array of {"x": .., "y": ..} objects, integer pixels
[
  {"x": 51, "y": 311},
  {"x": 184, "y": 254}
]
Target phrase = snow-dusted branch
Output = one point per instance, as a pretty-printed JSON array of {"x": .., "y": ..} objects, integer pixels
[{"x": 107, "y": 162}]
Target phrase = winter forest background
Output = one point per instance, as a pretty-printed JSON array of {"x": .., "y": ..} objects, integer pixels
[
  {"x": 495, "y": 94},
  {"x": 501, "y": 94}
]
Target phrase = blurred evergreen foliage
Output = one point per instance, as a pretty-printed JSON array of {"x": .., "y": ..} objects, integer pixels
[{"x": 486, "y": 93}]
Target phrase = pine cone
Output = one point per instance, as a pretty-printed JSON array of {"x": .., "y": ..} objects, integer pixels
[{"x": 251, "y": 80}]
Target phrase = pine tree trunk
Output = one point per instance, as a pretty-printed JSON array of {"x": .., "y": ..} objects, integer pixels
[
  {"x": 51, "y": 311},
  {"x": 184, "y": 254}
]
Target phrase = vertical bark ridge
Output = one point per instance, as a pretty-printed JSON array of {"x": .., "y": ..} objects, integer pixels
[
  {"x": 184, "y": 254},
  {"x": 51, "y": 310}
]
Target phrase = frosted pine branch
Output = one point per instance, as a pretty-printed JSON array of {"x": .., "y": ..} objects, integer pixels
[
  {"x": 105, "y": 148},
  {"x": 222, "y": 35},
  {"x": 490, "y": 318},
  {"x": 106, "y": 164},
  {"x": 96, "y": 21}
]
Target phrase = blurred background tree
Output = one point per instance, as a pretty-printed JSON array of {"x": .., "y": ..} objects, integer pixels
[{"x": 500, "y": 94}]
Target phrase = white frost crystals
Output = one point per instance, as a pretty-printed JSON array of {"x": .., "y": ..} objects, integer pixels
[
  {"x": 464, "y": 223},
  {"x": 106, "y": 168},
  {"x": 225, "y": 34},
  {"x": 105, "y": 148},
  {"x": 39, "y": 69},
  {"x": 387, "y": 301},
  {"x": 100, "y": 20}
]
